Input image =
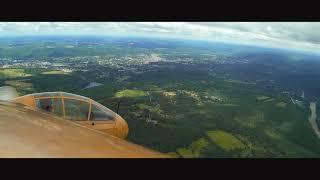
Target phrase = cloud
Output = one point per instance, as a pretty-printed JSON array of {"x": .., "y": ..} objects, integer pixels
[{"x": 296, "y": 35}]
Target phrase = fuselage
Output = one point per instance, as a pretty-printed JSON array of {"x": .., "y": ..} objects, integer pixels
[{"x": 28, "y": 133}]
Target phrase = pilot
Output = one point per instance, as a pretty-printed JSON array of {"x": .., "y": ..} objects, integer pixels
[
  {"x": 48, "y": 108},
  {"x": 91, "y": 116}
]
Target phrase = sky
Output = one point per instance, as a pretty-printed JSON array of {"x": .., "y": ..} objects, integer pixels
[{"x": 290, "y": 35}]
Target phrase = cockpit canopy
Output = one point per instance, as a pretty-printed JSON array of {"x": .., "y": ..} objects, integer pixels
[{"x": 68, "y": 106}]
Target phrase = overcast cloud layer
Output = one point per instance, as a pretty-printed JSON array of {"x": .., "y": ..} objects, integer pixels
[{"x": 292, "y": 35}]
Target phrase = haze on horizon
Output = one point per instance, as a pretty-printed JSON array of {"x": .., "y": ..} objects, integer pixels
[{"x": 302, "y": 36}]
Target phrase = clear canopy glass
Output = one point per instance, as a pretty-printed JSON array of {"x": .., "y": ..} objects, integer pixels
[{"x": 73, "y": 107}]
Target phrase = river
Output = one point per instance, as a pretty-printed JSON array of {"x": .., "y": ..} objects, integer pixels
[
  {"x": 7, "y": 93},
  {"x": 313, "y": 118}
]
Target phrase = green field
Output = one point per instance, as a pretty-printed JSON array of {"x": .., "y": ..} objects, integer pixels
[
  {"x": 262, "y": 98},
  {"x": 130, "y": 93},
  {"x": 281, "y": 104},
  {"x": 225, "y": 140},
  {"x": 55, "y": 72},
  {"x": 194, "y": 150},
  {"x": 13, "y": 73}
]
